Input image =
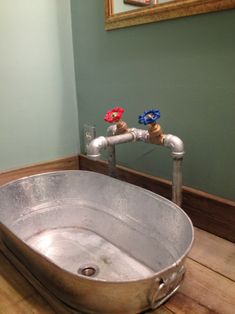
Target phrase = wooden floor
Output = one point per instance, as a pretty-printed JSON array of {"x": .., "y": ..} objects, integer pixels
[{"x": 209, "y": 285}]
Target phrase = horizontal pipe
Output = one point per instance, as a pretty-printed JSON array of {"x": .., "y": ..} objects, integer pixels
[
  {"x": 121, "y": 138},
  {"x": 173, "y": 142},
  {"x": 101, "y": 142}
]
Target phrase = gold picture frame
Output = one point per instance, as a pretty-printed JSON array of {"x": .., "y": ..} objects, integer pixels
[{"x": 164, "y": 11}]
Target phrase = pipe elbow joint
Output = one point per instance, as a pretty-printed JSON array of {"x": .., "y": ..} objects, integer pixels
[
  {"x": 95, "y": 146},
  {"x": 175, "y": 144}
]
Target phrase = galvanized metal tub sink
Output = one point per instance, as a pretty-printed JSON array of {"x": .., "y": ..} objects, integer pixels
[{"x": 98, "y": 244}]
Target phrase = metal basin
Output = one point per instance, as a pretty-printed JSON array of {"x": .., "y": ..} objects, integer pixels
[{"x": 98, "y": 244}]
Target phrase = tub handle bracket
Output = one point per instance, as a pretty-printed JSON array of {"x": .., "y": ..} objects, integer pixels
[{"x": 163, "y": 289}]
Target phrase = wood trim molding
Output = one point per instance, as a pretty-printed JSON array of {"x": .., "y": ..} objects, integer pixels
[
  {"x": 208, "y": 212},
  {"x": 163, "y": 11},
  {"x": 67, "y": 163}
]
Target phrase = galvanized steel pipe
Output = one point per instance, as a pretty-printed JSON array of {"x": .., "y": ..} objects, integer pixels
[
  {"x": 173, "y": 142},
  {"x": 101, "y": 142}
]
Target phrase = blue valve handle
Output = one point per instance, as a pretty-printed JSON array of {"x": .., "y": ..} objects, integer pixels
[{"x": 149, "y": 116}]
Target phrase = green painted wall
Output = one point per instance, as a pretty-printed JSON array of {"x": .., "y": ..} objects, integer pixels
[
  {"x": 185, "y": 67},
  {"x": 38, "y": 111}
]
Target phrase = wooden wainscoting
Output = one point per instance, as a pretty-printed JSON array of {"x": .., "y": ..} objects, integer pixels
[
  {"x": 67, "y": 163},
  {"x": 208, "y": 212}
]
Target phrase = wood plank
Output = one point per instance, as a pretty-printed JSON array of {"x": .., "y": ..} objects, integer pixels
[
  {"x": 203, "y": 291},
  {"x": 181, "y": 304},
  {"x": 209, "y": 212},
  {"x": 214, "y": 252},
  {"x": 208, "y": 288},
  {"x": 161, "y": 310},
  {"x": 68, "y": 163},
  {"x": 32, "y": 305},
  {"x": 49, "y": 301},
  {"x": 8, "y": 291},
  {"x": 16, "y": 294}
]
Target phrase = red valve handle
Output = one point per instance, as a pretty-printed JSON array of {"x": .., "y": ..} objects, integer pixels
[{"x": 114, "y": 115}]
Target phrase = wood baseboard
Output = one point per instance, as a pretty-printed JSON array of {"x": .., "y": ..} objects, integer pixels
[
  {"x": 67, "y": 163},
  {"x": 208, "y": 212}
]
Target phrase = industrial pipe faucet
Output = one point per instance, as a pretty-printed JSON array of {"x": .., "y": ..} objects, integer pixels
[{"x": 119, "y": 133}]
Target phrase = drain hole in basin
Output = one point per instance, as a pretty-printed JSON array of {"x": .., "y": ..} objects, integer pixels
[{"x": 88, "y": 270}]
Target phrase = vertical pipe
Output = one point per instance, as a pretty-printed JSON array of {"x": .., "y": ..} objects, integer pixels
[
  {"x": 177, "y": 181},
  {"x": 117, "y": 139},
  {"x": 112, "y": 169}
]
